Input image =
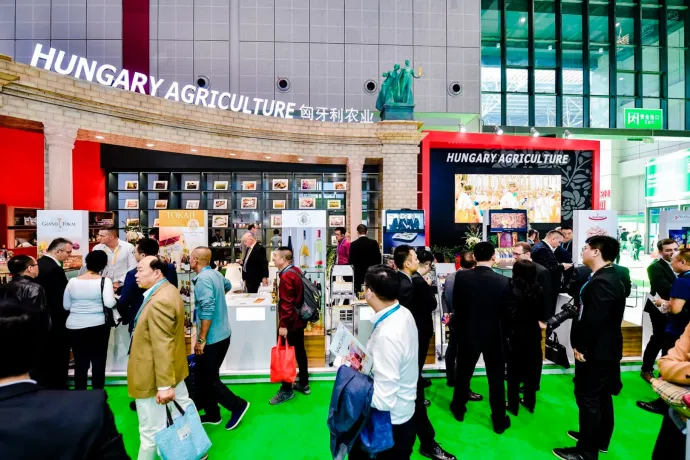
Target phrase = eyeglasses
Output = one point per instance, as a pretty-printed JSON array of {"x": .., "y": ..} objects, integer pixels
[{"x": 518, "y": 253}]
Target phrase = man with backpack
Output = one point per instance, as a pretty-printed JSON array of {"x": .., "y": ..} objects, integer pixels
[{"x": 291, "y": 321}]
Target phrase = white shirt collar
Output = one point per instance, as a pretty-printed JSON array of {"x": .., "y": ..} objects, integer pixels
[
  {"x": 18, "y": 382},
  {"x": 376, "y": 316}
]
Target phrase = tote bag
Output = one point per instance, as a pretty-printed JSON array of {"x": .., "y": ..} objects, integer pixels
[
  {"x": 283, "y": 363},
  {"x": 555, "y": 352},
  {"x": 183, "y": 438},
  {"x": 673, "y": 395}
]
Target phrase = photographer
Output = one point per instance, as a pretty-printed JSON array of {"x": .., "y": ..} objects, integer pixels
[{"x": 598, "y": 347}]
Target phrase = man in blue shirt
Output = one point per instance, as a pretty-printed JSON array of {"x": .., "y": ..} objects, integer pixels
[
  {"x": 679, "y": 313},
  {"x": 213, "y": 341}
]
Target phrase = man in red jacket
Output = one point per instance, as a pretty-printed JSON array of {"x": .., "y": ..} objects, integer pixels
[{"x": 290, "y": 326}]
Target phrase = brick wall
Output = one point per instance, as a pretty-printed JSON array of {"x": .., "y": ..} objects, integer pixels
[{"x": 132, "y": 119}]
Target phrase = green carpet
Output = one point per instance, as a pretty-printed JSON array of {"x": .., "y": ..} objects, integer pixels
[{"x": 297, "y": 429}]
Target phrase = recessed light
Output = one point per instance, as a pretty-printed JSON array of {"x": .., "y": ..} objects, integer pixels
[
  {"x": 149, "y": 145},
  {"x": 621, "y": 78},
  {"x": 601, "y": 50},
  {"x": 100, "y": 137},
  {"x": 523, "y": 20},
  {"x": 300, "y": 159},
  {"x": 233, "y": 154},
  {"x": 618, "y": 24},
  {"x": 498, "y": 45},
  {"x": 268, "y": 157},
  {"x": 550, "y": 48},
  {"x": 193, "y": 150}
]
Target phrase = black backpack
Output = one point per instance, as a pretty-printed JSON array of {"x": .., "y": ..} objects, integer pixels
[{"x": 310, "y": 310}]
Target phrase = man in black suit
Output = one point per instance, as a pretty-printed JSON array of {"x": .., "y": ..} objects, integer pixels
[
  {"x": 364, "y": 253},
  {"x": 581, "y": 275},
  {"x": 597, "y": 343},
  {"x": 406, "y": 261},
  {"x": 522, "y": 251},
  {"x": 39, "y": 423},
  {"x": 255, "y": 264},
  {"x": 543, "y": 253},
  {"x": 661, "y": 278},
  {"x": 53, "y": 365},
  {"x": 479, "y": 300}
]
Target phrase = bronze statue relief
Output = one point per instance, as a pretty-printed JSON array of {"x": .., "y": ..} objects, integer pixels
[{"x": 396, "y": 97}]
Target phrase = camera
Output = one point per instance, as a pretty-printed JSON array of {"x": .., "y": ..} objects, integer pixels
[{"x": 569, "y": 311}]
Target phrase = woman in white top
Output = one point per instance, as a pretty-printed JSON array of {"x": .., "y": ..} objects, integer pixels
[{"x": 88, "y": 332}]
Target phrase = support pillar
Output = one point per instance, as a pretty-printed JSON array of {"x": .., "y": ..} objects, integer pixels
[
  {"x": 59, "y": 142},
  {"x": 354, "y": 189}
]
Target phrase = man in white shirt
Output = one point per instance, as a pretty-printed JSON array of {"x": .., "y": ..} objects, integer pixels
[
  {"x": 121, "y": 257},
  {"x": 509, "y": 199},
  {"x": 393, "y": 346}
]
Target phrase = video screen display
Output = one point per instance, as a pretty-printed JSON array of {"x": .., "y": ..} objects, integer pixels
[
  {"x": 508, "y": 221},
  {"x": 404, "y": 221},
  {"x": 476, "y": 194}
]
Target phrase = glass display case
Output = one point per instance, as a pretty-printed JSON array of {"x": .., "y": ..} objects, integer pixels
[{"x": 186, "y": 289}]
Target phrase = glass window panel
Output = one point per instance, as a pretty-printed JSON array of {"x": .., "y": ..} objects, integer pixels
[
  {"x": 545, "y": 110},
  {"x": 544, "y": 55},
  {"x": 676, "y": 73},
  {"x": 544, "y": 81},
  {"x": 599, "y": 112},
  {"x": 626, "y": 84},
  {"x": 572, "y": 71},
  {"x": 544, "y": 20},
  {"x": 650, "y": 26},
  {"x": 649, "y": 2},
  {"x": 676, "y": 114},
  {"x": 651, "y": 85},
  {"x": 651, "y": 103},
  {"x": 517, "y": 110},
  {"x": 516, "y": 80},
  {"x": 516, "y": 19},
  {"x": 599, "y": 70},
  {"x": 572, "y": 112},
  {"x": 516, "y": 53},
  {"x": 599, "y": 23},
  {"x": 675, "y": 2},
  {"x": 625, "y": 25},
  {"x": 491, "y": 109},
  {"x": 491, "y": 19},
  {"x": 675, "y": 28},
  {"x": 620, "y": 113},
  {"x": 650, "y": 59},
  {"x": 572, "y": 22},
  {"x": 491, "y": 66},
  {"x": 625, "y": 58}
]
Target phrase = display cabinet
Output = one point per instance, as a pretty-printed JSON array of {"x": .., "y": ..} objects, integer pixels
[{"x": 186, "y": 289}]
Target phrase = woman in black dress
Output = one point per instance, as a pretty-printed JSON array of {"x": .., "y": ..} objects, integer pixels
[{"x": 523, "y": 334}]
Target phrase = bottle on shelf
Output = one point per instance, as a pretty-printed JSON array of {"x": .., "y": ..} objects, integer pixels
[
  {"x": 318, "y": 250},
  {"x": 289, "y": 242},
  {"x": 304, "y": 252}
]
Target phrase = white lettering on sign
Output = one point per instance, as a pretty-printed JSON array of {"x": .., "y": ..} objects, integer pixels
[
  {"x": 108, "y": 75},
  {"x": 509, "y": 158}
]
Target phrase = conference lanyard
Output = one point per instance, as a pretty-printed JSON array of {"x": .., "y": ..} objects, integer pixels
[
  {"x": 582, "y": 289},
  {"x": 388, "y": 313},
  {"x": 115, "y": 254}
]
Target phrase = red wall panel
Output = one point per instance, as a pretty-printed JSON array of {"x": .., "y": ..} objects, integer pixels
[
  {"x": 21, "y": 163},
  {"x": 88, "y": 179}
]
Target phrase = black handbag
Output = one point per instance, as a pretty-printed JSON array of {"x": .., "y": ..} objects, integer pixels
[
  {"x": 107, "y": 312},
  {"x": 555, "y": 352}
]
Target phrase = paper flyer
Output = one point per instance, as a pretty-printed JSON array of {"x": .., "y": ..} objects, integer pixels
[{"x": 346, "y": 346}]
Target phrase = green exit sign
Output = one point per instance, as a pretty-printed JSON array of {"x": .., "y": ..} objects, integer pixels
[{"x": 644, "y": 119}]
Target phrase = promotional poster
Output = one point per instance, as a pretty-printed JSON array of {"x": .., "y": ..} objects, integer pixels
[
  {"x": 71, "y": 225},
  {"x": 305, "y": 231},
  {"x": 592, "y": 223},
  {"x": 180, "y": 232}
]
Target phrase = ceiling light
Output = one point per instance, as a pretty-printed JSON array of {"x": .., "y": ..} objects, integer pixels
[
  {"x": 601, "y": 50},
  {"x": 523, "y": 20},
  {"x": 498, "y": 131},
  {"x": 618, "y": 24},
  {"x": 566, "y": 134},
  {"x": 300, "y": 159},
  {"x": 533, "y": 132},
  {"x": 149, "y": 145},
  {"x": 100, "y": 137},
  {"x": 550, "y": 48},
  {"x": 462, "y": 128},
  {"x": 498, "y": 45},
  {"x": 233, "y": 154},
  {"x": 268, "y": 157},
  {"x": 621, "y": 78},
  {"x": 193, "y": 150}
]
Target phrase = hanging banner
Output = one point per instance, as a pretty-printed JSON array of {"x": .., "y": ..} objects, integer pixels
[
  {"x": 71, "y": 225},
  {"x": 180, "y": 232},
  {"x": 591, "y": 223}
]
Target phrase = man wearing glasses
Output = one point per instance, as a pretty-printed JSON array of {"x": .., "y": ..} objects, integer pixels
[
  {"x": 51, "y": 372},
  {"x": 24, "y": 270}
]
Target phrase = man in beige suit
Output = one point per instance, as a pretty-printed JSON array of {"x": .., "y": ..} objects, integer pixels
[{"x": 157, "y": 358}]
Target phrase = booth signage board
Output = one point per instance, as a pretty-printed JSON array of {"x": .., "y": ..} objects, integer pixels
[
  {"x": 591, "y": 223},
  {"x": 71, "y": 225},
  {"x": 108, "y": 75},
  {"x": 644, "y": 118},
  {"x": 672, "y": 220},
  {"x": 180, "y": 232},
  {"x": 667, "y": 178},
  {"x": 306, "y": 232}
]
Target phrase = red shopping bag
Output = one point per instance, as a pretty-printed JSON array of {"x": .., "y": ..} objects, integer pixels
[{"x": 283, "y": 363}]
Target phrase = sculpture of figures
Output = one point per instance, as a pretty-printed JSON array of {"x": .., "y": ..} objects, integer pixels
[
  {"x": 389, "y": 88},
  {"x": 406, "y": 75}
]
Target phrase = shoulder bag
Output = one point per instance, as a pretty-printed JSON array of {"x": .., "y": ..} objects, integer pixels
[{"x": 107, "y": 312}]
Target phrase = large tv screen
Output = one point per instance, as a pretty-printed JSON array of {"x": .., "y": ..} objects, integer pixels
[
  {"x": 404, "y": 221},
  {"x": 476, "y": 194}
]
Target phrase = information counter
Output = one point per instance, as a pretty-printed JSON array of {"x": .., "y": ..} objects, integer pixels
[{"x": 253, "y": 323}]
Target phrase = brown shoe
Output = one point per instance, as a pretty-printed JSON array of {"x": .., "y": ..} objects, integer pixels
[{"x": 647, "y": 376}]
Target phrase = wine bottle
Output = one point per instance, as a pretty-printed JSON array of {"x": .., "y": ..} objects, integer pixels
[
  {"x": 318, "y": 249},
  {"x": 304, "y": 252},
  {"x": 289, "y": 243}
]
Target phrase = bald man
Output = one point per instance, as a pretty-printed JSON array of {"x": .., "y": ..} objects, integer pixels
[
  {"x": 255, "y": 264},
  {"x": 213, "y": 341}
]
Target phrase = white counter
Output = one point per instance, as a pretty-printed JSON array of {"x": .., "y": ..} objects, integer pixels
[{"x": 254, "y": 325}]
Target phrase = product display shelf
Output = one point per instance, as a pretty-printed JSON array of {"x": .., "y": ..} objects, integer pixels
[
  {"x": 186, "y": 289},
  {"x": 257, "y": 197}
]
